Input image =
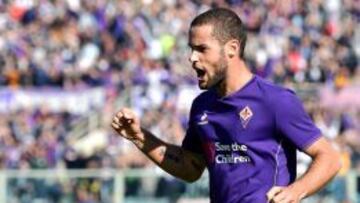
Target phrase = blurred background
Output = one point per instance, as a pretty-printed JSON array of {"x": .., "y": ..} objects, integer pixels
[{"x": 66, "y": 66}]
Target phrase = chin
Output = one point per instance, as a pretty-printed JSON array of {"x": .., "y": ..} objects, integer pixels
[{"x": 203, "y": 86}]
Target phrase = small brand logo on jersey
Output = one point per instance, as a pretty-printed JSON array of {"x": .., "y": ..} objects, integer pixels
[
  {"x": 203, "y": 119},
  {"x": 245, "y": 115}
]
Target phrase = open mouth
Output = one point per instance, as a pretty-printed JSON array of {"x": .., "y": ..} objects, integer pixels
[{"x": 200, "y": 73}]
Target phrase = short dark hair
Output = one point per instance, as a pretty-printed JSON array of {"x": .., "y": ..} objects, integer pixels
[{"x": 226, "y": 24}]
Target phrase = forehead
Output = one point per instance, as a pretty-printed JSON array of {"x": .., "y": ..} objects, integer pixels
[{"x": 201, "y": 34}]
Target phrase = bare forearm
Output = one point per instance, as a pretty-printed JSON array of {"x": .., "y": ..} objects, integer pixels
[{"x": 173, "y": 159}]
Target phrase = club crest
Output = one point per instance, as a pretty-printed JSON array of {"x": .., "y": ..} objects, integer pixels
[{"x": 245, "y": 116}]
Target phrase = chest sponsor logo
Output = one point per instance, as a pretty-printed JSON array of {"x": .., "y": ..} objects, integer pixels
[
  {"x": 245, "y": 116},
  {"x": 233, "y": 153},
  {"x": 219, "y": 153}
]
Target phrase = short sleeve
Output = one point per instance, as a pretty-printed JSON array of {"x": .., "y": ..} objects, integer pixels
[
  {"x": 293, "y": 122},
  {"x": 192, "y": 140}
]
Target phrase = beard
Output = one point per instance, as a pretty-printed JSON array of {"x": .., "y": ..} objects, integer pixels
[{"x": 219, "y": 72}]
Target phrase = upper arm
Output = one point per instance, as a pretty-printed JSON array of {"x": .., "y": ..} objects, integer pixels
[
  {"x": 193, "y": 151},
  {"x": 192, "y": 147},
  {"x": 323, "y": 153},
  {"x": 185, "y": 164},
  {"x": 321, "y": 147},
  {"x": 195, "y": 161},
  {"x": 326, "y": 160}
]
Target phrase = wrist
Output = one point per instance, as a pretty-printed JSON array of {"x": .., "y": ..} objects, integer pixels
[
  {"x": 139, "y": 140},
  {"x": 300, "y": 190}
]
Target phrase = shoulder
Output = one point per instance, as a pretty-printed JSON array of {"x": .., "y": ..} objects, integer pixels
[
  {"x": 202, "y": 101},
  {"x": 276, "y": 96},
  {"x": 204, "y": 97},
  {"x": 269, "y": 88}
]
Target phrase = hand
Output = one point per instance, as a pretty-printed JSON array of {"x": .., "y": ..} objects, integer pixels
[
  {"x": 284, "y": 195},
  {"x": 126, "y": 124}
]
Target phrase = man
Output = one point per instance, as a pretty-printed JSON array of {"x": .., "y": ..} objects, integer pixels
[{"x": 243, "y": 129}]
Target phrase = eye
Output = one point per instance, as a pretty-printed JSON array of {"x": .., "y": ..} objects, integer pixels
[
  {"x": 198, "y": 48},
  {"x": 202, "y": 49}
]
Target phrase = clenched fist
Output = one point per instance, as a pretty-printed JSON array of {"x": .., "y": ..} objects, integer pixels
[{"x": 126, "y": 124}]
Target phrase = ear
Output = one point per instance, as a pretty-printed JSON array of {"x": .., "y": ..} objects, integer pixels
[{"x": 232, "y": 48}]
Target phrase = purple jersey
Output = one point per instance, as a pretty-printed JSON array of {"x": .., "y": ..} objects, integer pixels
[{"x": 249, "y": 139}]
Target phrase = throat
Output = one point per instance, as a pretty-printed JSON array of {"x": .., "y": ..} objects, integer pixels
[
  {"x": 226, "y": 88},
  {"x": 222, "y": 90}
]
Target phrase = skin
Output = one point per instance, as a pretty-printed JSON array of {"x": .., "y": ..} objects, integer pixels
[
  {"x": 207, "y": 58},
  {"x": 325, "y": 165},
  {"x": 175, "y": 160},
  {"x": 218, "y": 66},
  {"x": 222, "y": 67}
]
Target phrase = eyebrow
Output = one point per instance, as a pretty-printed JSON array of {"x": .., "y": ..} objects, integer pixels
[{"x": 199, "y": 46}]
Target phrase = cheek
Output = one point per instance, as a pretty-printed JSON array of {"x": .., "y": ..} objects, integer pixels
[
  {"x": 214, "y": 65},
  {"x": 211, "y": 59}
]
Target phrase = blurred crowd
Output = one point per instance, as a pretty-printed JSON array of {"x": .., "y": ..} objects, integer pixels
[{"x": 137, "y": 51}]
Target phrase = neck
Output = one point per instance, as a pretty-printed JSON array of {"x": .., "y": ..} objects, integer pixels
[{"x": 238, "y": 75}]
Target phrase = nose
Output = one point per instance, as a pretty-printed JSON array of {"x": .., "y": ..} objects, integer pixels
[{"x": 193, "y": 57}]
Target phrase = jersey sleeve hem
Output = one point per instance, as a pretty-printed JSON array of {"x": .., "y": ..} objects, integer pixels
[{"x": 309, "y": 142}]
